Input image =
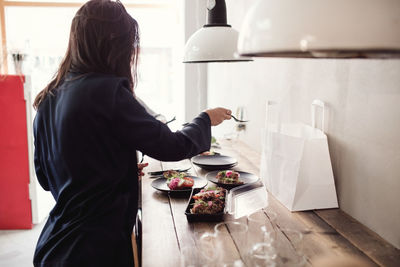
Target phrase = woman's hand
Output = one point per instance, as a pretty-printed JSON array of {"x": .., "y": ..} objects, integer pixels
[
  {"x": 141, "y": 166},
  {"x": 218, "y": 115}
]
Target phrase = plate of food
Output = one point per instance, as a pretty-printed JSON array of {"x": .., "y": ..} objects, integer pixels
[
  {"x": 215, "y": 162},
  {"x": 178, "y": 182},
  {"x": 206, "y": 205},
  {"x": 229, "y": 178}
]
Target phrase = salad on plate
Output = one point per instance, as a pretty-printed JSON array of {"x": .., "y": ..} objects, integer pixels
[
  {"x": 229, "y": 177},
  {"x": 178, "y": 180}
]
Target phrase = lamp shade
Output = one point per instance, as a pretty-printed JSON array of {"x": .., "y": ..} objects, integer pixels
[
  {"x": 216, "y": 41},
  {"x": 322, "y": 28},
  {"x": 213, "y": 44}
]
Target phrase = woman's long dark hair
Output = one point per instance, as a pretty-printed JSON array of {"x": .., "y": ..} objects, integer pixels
[{"x": 104, "y": 38}]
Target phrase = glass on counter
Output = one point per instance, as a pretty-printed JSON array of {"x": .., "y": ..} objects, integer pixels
[
  {"x": 262, "y": 226},
  {"x": 225, "y": 245}
]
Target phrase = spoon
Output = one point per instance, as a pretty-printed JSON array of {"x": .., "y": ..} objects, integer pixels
[
  {"x": 237, "y": 120},
  {"x": 173, "y": 119},
  {"x": 233, "y": 117}
]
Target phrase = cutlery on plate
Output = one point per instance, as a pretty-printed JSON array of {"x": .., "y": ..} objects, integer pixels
[
  {"x": 162, "y": 176},
  {"x": 157, "y": 173}
]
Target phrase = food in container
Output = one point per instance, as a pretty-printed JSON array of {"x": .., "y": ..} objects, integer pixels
[
  {"x": 210, "y": 213},
  {"x": 209, "y": 201},
  {"x": 239, "y": 201}
]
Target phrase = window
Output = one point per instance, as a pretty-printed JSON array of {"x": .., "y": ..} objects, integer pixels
[{"x": 40, "y": 30}]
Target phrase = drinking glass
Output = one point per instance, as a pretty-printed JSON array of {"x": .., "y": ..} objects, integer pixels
[
  {"x": 262, "y": 254},
  {"x": 232, "y": 236},
  {"x": 207, "y": 244},
  {"x": 241, "y": 114},
  {"x": 239, "y": 127},
  {"x": 288, "y": 245},
  {"x": 189, "y": 257},
  {"x": 261, "y": 227},
  {"x": 236, "y": 263}
]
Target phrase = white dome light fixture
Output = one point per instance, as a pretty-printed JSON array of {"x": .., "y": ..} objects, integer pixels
[
  {"x": 216, "y": 41},
  {"x": 322, "y": 29}
]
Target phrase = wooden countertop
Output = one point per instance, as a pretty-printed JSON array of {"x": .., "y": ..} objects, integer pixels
[{"x": 328, "y": 232}]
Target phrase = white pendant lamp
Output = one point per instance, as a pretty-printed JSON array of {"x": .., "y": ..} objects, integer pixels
[
  {"x": 322, "y": 29},
  {"x": 216, "y": 41}
]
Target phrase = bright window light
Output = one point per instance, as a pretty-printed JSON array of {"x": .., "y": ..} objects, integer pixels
[{"x": 41, "y": 33}]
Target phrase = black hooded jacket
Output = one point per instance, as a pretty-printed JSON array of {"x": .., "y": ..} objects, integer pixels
[{"x": 86, "y": 136}]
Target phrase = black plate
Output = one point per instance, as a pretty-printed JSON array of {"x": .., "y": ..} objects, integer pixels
[
  {"x": 215, "y": 162},
  {"x": 245, "y": 177},
  {"x": 201, "y": 217},
  {"x": 216, "y": 167},
  {"x": 161, "y": 184}
]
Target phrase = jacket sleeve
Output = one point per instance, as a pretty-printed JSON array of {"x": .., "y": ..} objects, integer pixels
[{"x": 135, "y": 128}]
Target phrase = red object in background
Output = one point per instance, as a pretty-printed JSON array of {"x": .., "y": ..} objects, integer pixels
[{"x": 15, "y": 205}]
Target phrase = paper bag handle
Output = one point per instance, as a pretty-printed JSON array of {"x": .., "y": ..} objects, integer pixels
[
  {"x": 268, "y": 106},
  {"x": 321, "y": 104}
]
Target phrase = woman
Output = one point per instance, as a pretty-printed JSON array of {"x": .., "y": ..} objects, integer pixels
[{"x": 87, "y": 130}]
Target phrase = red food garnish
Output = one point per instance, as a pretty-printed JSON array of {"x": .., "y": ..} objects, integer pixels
[{"x": 189, "y": 182}]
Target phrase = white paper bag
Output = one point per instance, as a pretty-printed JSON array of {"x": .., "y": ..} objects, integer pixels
[{"x": 296, "y": 165}]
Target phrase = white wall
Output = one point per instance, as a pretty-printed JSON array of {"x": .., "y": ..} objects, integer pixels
[
  {"x": 364, "y": 120},
  {"x": 195, "y": 74}
]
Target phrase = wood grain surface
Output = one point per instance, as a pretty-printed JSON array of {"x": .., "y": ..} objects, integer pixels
[{"x": 325, "y": 233}]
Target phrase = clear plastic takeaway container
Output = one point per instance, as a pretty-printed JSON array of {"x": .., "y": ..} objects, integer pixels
[{"x": 246, "y": 199}]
